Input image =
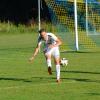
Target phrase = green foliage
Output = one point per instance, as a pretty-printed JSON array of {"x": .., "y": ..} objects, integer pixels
[{"x": 10, "y": 28}]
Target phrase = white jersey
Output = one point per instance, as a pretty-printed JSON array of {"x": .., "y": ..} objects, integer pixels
[{"x": 51, "y": 39}]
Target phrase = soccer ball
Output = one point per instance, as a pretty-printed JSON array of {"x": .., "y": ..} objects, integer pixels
[{"x": 63, "y": 62}]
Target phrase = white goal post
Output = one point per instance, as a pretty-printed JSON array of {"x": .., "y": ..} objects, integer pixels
[{"x": 39, "y": 14}]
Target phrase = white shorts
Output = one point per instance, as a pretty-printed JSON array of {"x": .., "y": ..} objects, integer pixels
[{"x": 53, "y": 51}]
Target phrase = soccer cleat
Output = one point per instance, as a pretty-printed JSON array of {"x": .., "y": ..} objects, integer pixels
[
  {"x": 49, "y": 70},
  {"x": 58, "y": 81}
]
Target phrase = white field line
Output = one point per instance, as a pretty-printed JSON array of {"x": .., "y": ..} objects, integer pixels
[{"x": 42, "y": 84}]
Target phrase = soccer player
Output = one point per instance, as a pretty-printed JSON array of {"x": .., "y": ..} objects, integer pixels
[{"x": 51, "y": 43}]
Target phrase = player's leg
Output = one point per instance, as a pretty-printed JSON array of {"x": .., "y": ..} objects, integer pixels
[
  {"x": 57, "y": 60},
  {"x": 56, "y": 55},
  {"x": 48, "y": 60}
]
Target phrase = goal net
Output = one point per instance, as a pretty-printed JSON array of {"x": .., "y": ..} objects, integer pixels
[{"x": 93, "y": 17}]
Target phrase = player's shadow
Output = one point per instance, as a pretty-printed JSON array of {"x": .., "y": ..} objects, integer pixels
[
  {"x": 16, "y": 79},
  {"x": 63, "y": 78},
  {"x": 31, "y": 80},
  {"x": 80, "y": 72},
  {"x": 73, "y": 51},
  {"x": 81, "y": 80},
  {"x": 93, "y": 94},
  {"x": 43, "y": 78}
]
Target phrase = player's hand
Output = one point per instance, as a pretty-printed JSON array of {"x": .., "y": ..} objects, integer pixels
[{"x": 31, "y": 59}]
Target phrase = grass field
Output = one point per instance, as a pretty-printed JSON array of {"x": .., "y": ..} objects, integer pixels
[{"x": 20, "y": 80}]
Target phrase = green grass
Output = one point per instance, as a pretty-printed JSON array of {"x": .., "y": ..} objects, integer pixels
[{"x": 20, "y": 80}]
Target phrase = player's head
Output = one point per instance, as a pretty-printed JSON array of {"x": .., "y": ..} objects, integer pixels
[
  {"x": 42, "y": 30},
  {"x": 43, "y": 33}
]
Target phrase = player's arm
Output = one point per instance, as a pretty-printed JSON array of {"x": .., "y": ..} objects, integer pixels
[
  {"x": 35, "y": 52},
  {"x": 58, "y": 42}
]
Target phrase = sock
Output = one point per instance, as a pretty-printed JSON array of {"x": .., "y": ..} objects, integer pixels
[
  {"x": 58, "y": 71},
  {"x": 49, "y": 62}
]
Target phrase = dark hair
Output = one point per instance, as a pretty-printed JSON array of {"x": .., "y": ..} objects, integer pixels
[{"x": 42, "y": 30}]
